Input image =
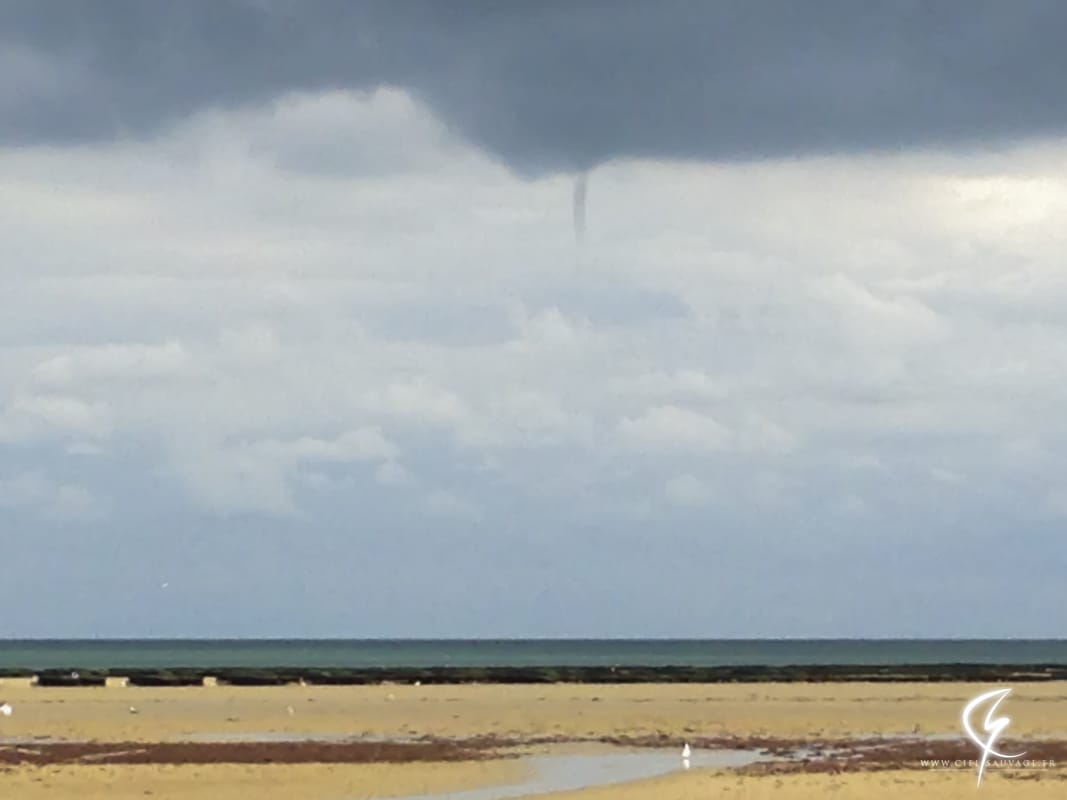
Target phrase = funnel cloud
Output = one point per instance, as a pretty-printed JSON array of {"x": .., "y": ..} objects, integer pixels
[{"x": 581, "y": 183}]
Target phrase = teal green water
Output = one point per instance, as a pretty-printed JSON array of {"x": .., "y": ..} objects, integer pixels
[{"x": 159, "y": 653}]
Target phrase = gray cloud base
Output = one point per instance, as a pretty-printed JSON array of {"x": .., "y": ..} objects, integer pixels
[
  {"x": 558, "y": 85},
  {"x": 322, "y": 367}
]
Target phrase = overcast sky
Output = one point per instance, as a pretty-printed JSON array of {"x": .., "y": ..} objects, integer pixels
[{"x": 295, "y": 321}]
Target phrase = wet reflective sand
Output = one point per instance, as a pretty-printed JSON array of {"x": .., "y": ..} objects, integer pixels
[{"x": 569, "y": 772}]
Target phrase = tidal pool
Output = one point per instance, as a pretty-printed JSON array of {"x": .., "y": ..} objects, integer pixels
[{"x": 569, "y": 772}]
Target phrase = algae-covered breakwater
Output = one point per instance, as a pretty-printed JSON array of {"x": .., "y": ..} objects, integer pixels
[{"x": 242, "y": 676}]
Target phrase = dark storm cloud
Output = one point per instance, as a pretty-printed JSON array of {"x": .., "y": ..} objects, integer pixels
[{"x": 557, "y": 85}]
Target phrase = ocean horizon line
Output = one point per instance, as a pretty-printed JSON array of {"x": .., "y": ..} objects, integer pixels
[{"x": 530, "y": 639}]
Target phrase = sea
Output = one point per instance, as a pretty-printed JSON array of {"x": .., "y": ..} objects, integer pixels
[{"x": 360, "y": 653}]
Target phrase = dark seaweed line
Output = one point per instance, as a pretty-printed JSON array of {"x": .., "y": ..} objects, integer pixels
[
  {"x": 789, "y": 755},
  {"x": 242, "y": 676}
]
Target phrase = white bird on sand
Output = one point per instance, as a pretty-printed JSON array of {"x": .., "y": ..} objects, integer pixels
[
  {"x": 133, "y": 710},
  {"x": 6, "y": 709},
  {"x": 686, "y": 752}
]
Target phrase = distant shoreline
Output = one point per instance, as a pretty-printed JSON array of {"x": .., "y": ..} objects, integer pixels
[
  {"x": 621, "y": 674},
  {"x": 581, "y": 660}
]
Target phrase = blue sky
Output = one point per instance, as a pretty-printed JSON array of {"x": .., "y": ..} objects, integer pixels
[{"x": 294, "y": 321}]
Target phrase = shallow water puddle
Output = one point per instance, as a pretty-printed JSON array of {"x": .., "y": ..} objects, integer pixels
[{"x": 560, "y": 773}]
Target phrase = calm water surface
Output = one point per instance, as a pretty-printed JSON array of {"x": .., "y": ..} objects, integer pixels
[{"x": 161, "y": 653}]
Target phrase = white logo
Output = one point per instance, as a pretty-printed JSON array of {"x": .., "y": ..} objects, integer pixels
[{"x": 993, "y": 727}]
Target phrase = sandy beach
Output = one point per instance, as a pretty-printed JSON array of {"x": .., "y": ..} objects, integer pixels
[
  {"x": 523, "y": 711},
  {"x": 498, "y": 719}
]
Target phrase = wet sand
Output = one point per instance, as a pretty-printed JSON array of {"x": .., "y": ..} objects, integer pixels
[
  {"x": 242, "y": 781},
  {"x": 499, "y": 716},
  {"x": 861, "y": 786}
]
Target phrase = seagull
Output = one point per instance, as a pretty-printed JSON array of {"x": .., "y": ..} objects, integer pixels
[
  {"x": 6, "y": 709},
  {"x": 133, "y": 710},
  {"x": 686, "y": 752}
]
